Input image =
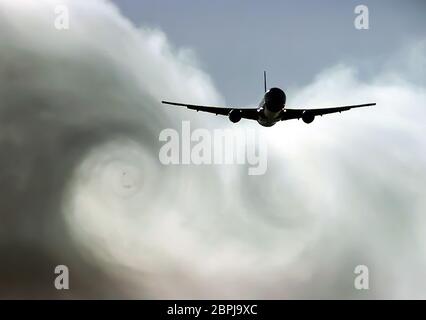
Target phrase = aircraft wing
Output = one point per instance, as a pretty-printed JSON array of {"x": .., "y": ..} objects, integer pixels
[
  {"x": 290, "y": 113},
  {"x": 248, "y": 113}
]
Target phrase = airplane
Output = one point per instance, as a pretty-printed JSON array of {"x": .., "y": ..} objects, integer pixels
[{"x": 271, "y": 109}]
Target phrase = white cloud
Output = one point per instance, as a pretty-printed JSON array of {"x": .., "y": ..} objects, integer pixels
[{"x": 345, "y": 190}]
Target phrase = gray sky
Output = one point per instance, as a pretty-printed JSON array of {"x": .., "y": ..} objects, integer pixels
[
  {"x": 81, "y": 110},
  {"x": 294, "y": 40}
]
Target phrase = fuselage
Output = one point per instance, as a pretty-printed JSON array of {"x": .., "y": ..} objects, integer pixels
[{"x": 271, "y": 107}]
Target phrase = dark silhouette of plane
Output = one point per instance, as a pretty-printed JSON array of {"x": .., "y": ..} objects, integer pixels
[{"x": 270, "y": 110}]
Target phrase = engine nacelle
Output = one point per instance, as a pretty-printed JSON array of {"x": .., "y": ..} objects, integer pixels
[
  {"x": 308, "y": 117},
  {"x": 235, "y": 115}
]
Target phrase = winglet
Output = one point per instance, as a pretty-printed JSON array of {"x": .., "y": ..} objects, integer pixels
[{"x": 264, "y": 79}]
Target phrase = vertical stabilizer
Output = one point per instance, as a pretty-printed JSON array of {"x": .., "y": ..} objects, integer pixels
[{"x": 264, "y": 80}]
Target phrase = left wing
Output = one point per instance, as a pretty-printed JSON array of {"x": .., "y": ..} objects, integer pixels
[
  {"x": 299, "y": 113},
  {"x": 250, "y": 113}
]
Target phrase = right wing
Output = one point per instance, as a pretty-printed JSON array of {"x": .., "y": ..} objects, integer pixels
[
  {"x": 298, "y": 113},
  {"x": 250, "y": 113}
]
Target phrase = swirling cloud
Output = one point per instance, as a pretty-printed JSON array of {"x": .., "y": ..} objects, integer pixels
[{"x": 83, "y": 186}]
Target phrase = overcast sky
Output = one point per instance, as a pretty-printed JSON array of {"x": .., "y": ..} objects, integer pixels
[
  {"x": 293, "y": 40},
  {"x": 82, "y": 184}
]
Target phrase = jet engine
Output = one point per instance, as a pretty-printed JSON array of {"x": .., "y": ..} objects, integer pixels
[
  {"x": 308, "y": 117},
  {"x": 235, "y": 115}
]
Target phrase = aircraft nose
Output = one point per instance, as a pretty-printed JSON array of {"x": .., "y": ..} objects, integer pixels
[{"x": 275, "y": 98}]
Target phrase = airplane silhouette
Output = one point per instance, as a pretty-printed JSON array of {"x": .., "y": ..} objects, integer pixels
[{"x": 270, "y": 110}]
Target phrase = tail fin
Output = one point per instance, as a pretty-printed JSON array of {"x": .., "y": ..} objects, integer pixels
[{"x": 264, "y": 80}]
